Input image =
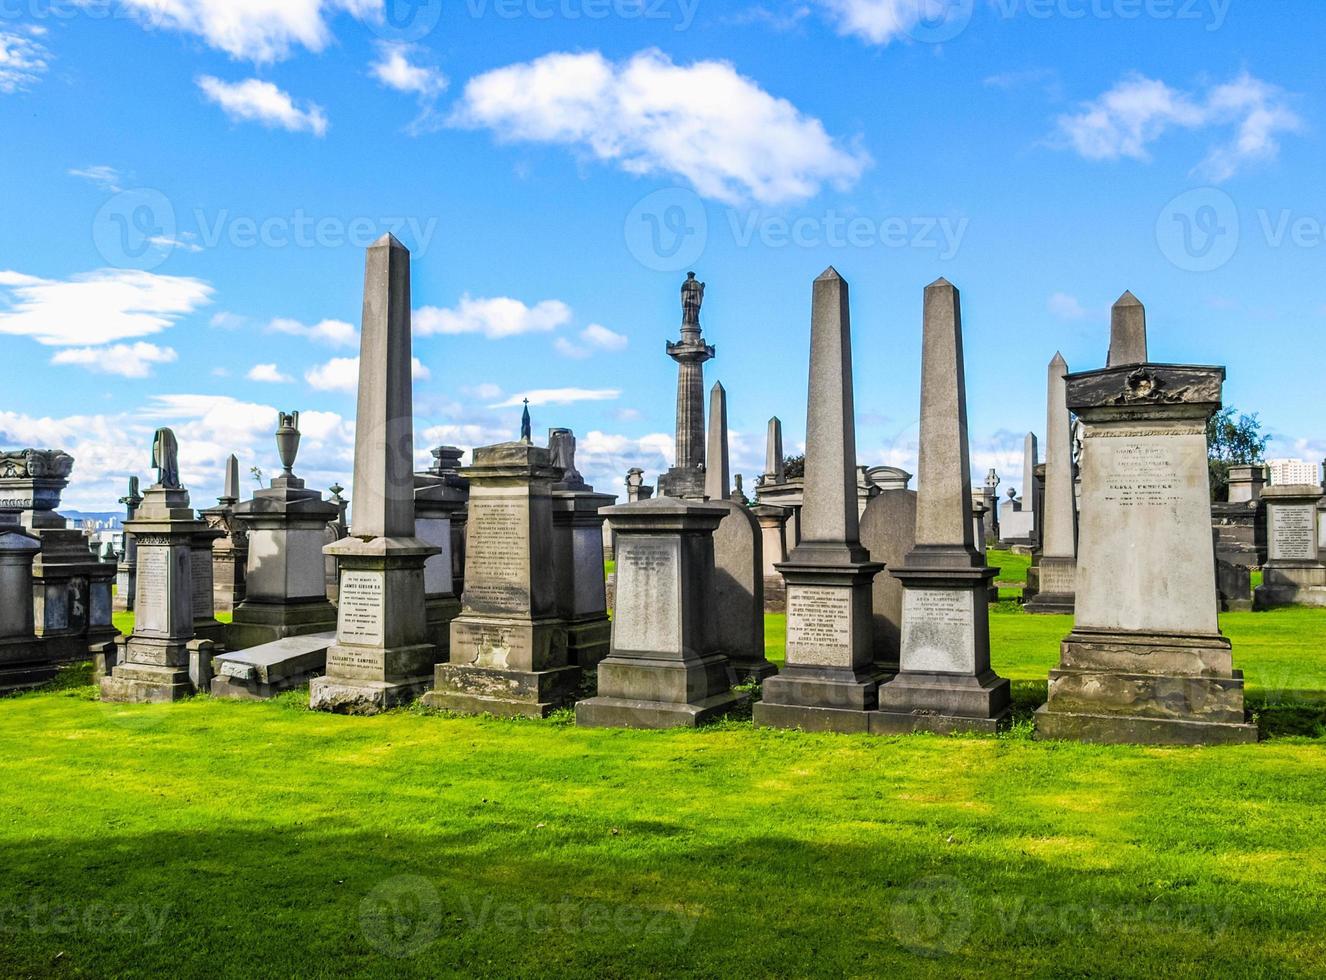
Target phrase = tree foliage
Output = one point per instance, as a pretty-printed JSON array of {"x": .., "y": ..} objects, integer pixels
[
  {"x": 795, "y": 467},
  {"x": 1232, "y": 439}
]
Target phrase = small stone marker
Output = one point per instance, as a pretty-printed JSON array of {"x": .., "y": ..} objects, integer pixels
[
  {"x": 1146, "y": 661},
  {"x": 1294, "y": 573},
  {"x": 666, "y": 669},
  {"x": 945, "y": 683},
  {"x": 830, "y": 681}
]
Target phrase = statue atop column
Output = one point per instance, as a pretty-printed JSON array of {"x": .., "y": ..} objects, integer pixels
[
  {"x": 686, "y": 478},
  {"x": 692, "y": 298}
]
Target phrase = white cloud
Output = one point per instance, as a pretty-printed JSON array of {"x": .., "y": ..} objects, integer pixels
[
  {"x": 23, "y": 60},
  {"x": 268, "y": 373},
  {"x": 334, "y": 333},
  {"x": 1138, "y": 111},
  {"x": 254, "y": 30},
  {"x": 495, "y": 318},
  {"x": 126, "y": 360},
  {"x": 883, "y": 21},
  {"x": 560, "y": 396},
  {"x": 254, "y": 100},
  {"x": 96, "y": 307},
  {"x": 703, "y": 122},
  {"x": 1065, "y": 307},
  {"x": 342, "y": 374},
  {"x": 592, "y": 339},
  {"x": 107, "y": 178},
  {"x": 395, "y": 68},
  {"x": 228, "y": 321},
  {"x": 485, "y": 392}
]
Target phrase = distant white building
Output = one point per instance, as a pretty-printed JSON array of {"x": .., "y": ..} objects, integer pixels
[{"x": 1286, "y": 472}]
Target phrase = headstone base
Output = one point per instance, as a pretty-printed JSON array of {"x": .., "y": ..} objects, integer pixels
[
  {"x": 1051, "y": 589},
  {"x": 942, "y": 703},
  {"x": 811, "y": 719},
  {"x": 23, "y": 666},
  {"x": 624, "y": 713},
  {"x": 266, "y": 671},
  {"x": 1163, "y": 689},
  {"x": 364, "y": 697},
  {"x": 754, "y": 671},
  {"x": 257, "y": 624},
  {"x": 133, "y": 681},
  {"x": 471, "y": 690},
  {"x": 442, "y": 610},
  {"x": 1292, "y": 584},
  {"x": 1233, "y": 586},
  {"x": 647, "y": 692}
]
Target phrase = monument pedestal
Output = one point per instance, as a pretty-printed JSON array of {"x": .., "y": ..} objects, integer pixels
[
  {"x": 1055, "y": 587},
  {"x": 440, "y": 496},
  {"x": 1160, "y": 689},
  {"x": 381, "y": 658},
  {"x": 1295, "y": 574},
  {"x": 581, "y": 587},
  {"x": 495, "y": 682},
  {"x": 285, "y": 587},
  {"x": 24, "y": 662},
  {"x": 665, "y": 669}
]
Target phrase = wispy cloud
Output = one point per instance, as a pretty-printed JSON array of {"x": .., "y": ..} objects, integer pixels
[
  {"x": 107, "y": 178},
  {"x": 593, "y": 339},
  {"x": 396, "y": 67},
  {"x": 125, "y": 360},
  {"x": 262, "y": 102},
  {"x": 268, "y": 374},
  {"x": 561, "y": 396},
  {"x": 494, "y": 318},
  {"x": 23, "y": 59},
  {"x": 333, "y": 333}
]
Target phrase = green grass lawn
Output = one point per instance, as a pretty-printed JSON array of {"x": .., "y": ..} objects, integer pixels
[{"x": 228, "y": 838}]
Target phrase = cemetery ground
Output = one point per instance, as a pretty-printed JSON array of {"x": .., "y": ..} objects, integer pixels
[{"x": 226, "y": 837}]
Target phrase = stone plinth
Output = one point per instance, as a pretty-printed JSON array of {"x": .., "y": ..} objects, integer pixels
[
  {"x": 439, "y": 495},
  {"x": 773, "y": 544},
  {"x": 230, "y": 555},
  {"x": 162, "y": 661},
  {"x": 582, "y": 599},
  {"x": 790, "y": 495},
  {"x": 1294, "y": 573},
  {"x": 666, "y": 669},
  {"x": 1146, "y": 661},
  {"x": 508, "y": 646},
  {"x": 888, "y": 532},
  {"x": 285, "y": 588},
  {"x": 24, "y": 661}
]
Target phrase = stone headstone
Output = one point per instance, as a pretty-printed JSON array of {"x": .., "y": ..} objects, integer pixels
[
  {"x": 1146, "y": 661},
  {"x": 508, "y": 645},
  {"x": 888, "y": 532},
  {"x": 382, "y": 656},
  {"x": 230, "y": 550},
  {"x": 1294, "y": 573},
  {"x": 263, "y": 672},
  {"x": 1057, "y": 560},
  {"x": 945, "y": 682},
  {"x": 666, "y": 668},
  {"x": 830, "y": 681}
]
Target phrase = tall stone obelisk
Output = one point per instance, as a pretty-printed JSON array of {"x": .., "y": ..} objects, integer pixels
[
  {"x": 830, "y": 682},
  {"x": 1057, "y": 564},
  {"x": 686, "y": 478},
  {"x": 718, "y": 474},
  {"x": 945, "y": 683},
  {"x": 382, "y": 655}
]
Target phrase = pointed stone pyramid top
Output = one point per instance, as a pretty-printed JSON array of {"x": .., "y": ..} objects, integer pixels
[
  {"x": 829, "y": 273},
  {"x": 1127, "y": 332},
  {"x": 389, "y": 241},
  {"x": 1058, "y": 361}
]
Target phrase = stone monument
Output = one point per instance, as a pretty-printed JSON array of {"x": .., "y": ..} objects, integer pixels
[
  {"x": 945, "y": 682},
  {"x": 285, "y": 587},
  {"x": 71, "y": 589},
  {"x": 686, "y": 479},
  {"x": 230, "y": 552},
  {"x": 1294, "y": 574},
  {"x": 382, "y": 656},
  {"x": 508, "y": 646},
  {"x": 830, "y": 681},
  {"x": 1057, "y": 558},
  {"x": 440, "y": 493},
  {"x": 888, "y": 532},
  {"x": 773, "y": 544},
  {"x": 126, "y": 569},
  {"x": 666, "y": 669},
  {"x": 24, "y": 664},
  {"x": 162, "y": 660},
  {"x": 1146, "y": 661},
  {"x": 578, "y": 559}
]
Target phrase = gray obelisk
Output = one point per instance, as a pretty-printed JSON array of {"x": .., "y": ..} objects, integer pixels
[
  {"x": 945, "y": 683},
  {"x": 382, "y": 655},
  {"x": 830, "y": 681},
  {"x": 1127, "y": 332},
  {"x": 1030, "y": 501},
  {"x": 718, "y": 476},
  {"x": 1057, "y": 563},
  {"x": 775, "y": 468}
]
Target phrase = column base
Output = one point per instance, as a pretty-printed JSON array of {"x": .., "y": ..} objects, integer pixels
[
  {"x": 626, "y": 713},
  {"x": 145, "y": 684},
  {"x": 753, "y": 671},
  {"x": 1051, "y": 604},
  {"x": 944, "y": 703},
  {"x": 472, "y": 690},
  {"x": 811, "y": 719}
]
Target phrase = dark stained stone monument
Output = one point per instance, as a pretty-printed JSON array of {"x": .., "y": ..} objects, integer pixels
[
  {"x": 230, "y": 552},
  {"x": 888, "y": 532},
  {"x": 1146, "y": 661},
  {"x": 128, "y": 566},
  {"x": 23, "y": 662},
  {"x": 687, "y": 478}
]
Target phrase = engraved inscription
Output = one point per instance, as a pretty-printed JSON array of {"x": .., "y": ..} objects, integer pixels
[
  {"x": 819, "y": 625},
  {"x": 202, "y": 584},
  {"x": 152, "y": 602},
  {"x": 497, "y": 559},
  {"x": 939, "y": 631},
  {"x": 360, "y": 614},
  {"x": 1141, "y": 476},
  {"x": 1294, "y": 532}
]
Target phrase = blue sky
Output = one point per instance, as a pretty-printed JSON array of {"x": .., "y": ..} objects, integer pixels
[{"x": 188, "y": 185}]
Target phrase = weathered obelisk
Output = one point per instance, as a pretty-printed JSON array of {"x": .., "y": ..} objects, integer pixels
[
  {"x": 686, "y": 478},
  {"x": 830, "y": 681},
  {"x": 718, "y": 474},
  {"x": 945, "y": 683},
  {"x": 382, "y": 656},
  {"x": 1057, "y": 563},
  {"x": 775, "y": 469}
]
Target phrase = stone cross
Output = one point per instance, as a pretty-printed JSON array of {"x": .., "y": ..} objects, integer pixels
[
  {"x": 718, "y": 477},
  {"x": 1127, "y": 332}
]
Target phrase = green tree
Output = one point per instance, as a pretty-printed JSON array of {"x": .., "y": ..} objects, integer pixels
[
  {"x": 1232, "y": 439},
  {"x": 795, "y": 467}
]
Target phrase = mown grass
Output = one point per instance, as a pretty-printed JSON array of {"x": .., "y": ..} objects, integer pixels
[{"x": 228, "y": 838}]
